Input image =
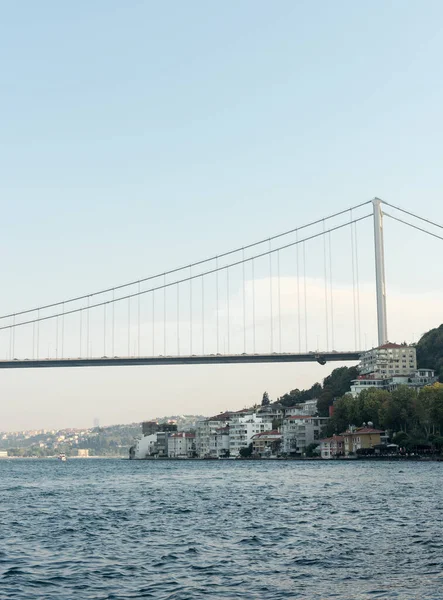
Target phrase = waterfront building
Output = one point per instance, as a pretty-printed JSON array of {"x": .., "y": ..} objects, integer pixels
[
  {"x": 181, "y": 445},
  {"x": 206, "y": 432},
  {"x": 219, "y": 442},
  {"x": 299, "y": 431},
  {"x": 242, "y": 429},
  {"x": 332, "y": 447},
  {"x": 144, "y": 447},
  {"x": 356, "y": 438},
  {"x": 267, "y": 444}
]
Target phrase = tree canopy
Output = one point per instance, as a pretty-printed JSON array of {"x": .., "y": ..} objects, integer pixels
[{"x": 430, "y": 351}]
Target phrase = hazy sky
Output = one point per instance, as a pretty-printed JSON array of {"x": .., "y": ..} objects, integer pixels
[{"x": 138, "y": 136}]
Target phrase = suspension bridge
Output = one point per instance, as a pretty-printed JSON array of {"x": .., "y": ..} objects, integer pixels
[{"x": 254, "y": 304}]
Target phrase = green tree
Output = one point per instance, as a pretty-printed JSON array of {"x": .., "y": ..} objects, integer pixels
[
  {"x": 265, "y": 400},
  {"x": 246, "y": 452}
]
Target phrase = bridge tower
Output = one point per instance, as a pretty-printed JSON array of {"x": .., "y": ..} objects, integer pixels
[{"x": 380, "y": 281}]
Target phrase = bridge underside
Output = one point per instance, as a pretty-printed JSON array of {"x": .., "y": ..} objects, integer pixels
[{"x": 320, "y": 357}]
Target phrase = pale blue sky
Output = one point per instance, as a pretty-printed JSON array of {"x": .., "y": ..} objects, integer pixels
[{"x": 138, "y": 135}]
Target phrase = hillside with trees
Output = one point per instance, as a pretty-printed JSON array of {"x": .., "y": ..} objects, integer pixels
[{"x": 430, "y": 351}]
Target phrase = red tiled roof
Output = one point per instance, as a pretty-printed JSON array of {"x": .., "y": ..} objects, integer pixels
[
  {"x": 337, "y": 438},
  {"x": 267, "y": 433},
  {"x": 362, "y": 430}
]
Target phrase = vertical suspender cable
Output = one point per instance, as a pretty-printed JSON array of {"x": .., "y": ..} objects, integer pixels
[
  {"x": 203, "y": 315},
  {"x": 326, "y": 288},
  {"x": 270, "y": 298},
  {"x": 104, "y": 329},
  {"x": 153, "y": 324},
  {"x": 87, "y": 330},
  {"x": 138, "y": 321},
  {"x": 358, "y": 287},
  {"x": 298, "y": 293},
  {"x": 63, "y": 328},
  {"x": 244, "y": 301},
  {"x": 331, "y": 294},
  {"x": 129, "y": 326},
  {"x": 228, "y": 302},
  {"x": 217, "y": 306},
  {"x": 178, "y": 319},
  {"x": 353, "y": 283},
  {"x": 56, "y": 337},
  {"x": 38, "y": 334},
  {"x": 33, "y": 341},
  {"x": 279, "y": 301},
  {"x": 190, "y": 311},
  {"x": 164, "y": 315},
  {"x": 113, "y": 323},
  {"x": 253, "y": 305},
  {"x": 305, "y": 299},
  {"x": 81, "y": 333}
]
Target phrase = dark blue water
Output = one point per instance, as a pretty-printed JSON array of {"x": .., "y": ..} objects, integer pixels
[{"x": 105, "y": 529}]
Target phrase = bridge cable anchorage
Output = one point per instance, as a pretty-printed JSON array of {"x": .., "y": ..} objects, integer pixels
[
  {"x": 353, "y": 284},
  {"x": 186, "y": 279},
  {"x": 298, "y": 293},
  {"x": 439, "y": 237},
  {"x": 326, "y": 289},
  {"x": 270, "y": 297},
  {"x": 358, "y": 284},
  {"x": 279, "y": 301},
  {"x": 331, "y": 294},
  {"x": 253, "y": 306},
  {"x": 178, "y": 319},
  {"x": 185, "y": 267}
]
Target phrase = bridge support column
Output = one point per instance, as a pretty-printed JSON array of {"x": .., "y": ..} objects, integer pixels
[{"x": 380, "y": 272}]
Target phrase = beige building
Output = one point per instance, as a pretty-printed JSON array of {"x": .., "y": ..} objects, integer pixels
[
  {"x": 388, "y": 360},
  {"x": 267, "y": 444},
  {"x": 356, "y": 438}
]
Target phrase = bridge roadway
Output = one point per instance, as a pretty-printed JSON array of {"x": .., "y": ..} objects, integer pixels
[{"x": 210, "y": 359}]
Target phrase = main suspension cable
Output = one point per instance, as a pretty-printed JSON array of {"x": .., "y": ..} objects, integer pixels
[
  {"x": 189, "y": 266},
  {"x": 185, "y": 279}
]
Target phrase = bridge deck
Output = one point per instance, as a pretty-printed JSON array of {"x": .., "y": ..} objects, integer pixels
[{"x": 212, "y": 359}]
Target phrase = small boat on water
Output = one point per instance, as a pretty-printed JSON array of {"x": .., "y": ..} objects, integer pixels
[{"x": 62, "y": 457}]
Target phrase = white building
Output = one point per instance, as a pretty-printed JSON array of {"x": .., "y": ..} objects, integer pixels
[
  {"x": 308, "y": 408},
  {"x": 206, "y": 432},
  {"x": 242, "y": 429},
  {"x": 389, "y": 359},
  {"x": 145, "y": 446},
  {"x": 299, "y": 431},
  {"x": 181, "y": 445},
  {"x": 418, "y": 379},
  {"x": 219, "y": 442}
]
